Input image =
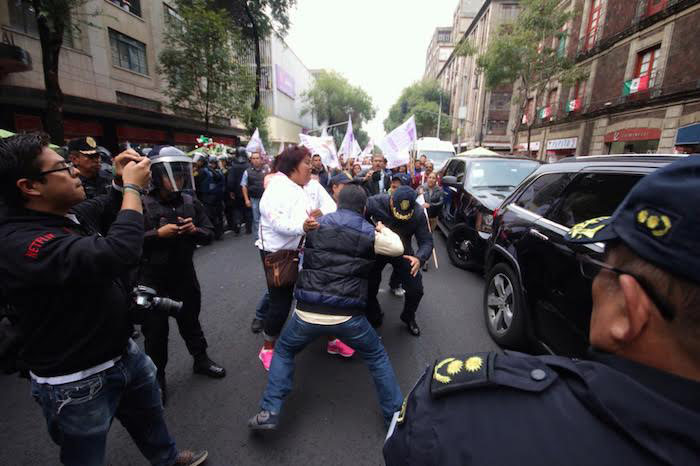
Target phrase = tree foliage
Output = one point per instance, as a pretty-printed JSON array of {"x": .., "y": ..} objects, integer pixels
[
  {"x": 257, "y": 19},
  {"x": 201, "y": 64},
  {"x": 527, "y": 52},
  {"x": 332, "y": 98},
  {"x": 421, "y": 99}
]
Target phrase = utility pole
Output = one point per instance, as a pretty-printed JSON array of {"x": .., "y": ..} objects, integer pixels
[{"x": 439, "y": 114}]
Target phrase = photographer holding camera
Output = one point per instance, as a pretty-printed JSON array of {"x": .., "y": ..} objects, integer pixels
[
  {"x": 175, "y": 223},
  {"x": 69, "y": 285}
]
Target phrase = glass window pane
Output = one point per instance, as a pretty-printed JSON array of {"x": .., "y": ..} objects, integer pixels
[{"x": 542, "y": 193}]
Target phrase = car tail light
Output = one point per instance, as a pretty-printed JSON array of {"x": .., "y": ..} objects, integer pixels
[{"x": 496, "y": 212}]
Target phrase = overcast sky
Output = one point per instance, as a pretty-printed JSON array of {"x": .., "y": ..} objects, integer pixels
[{"x": 379, "y": 45}]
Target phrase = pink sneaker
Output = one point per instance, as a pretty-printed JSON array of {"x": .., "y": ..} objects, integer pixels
[
  {"x": 338, "y": 347},
  {"x": 265, "y": 357}
]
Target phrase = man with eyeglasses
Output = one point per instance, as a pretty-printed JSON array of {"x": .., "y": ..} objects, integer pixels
[
  {"x": 68, "y": 280},
  {"x": 633, "y": 401},
  {"x": 84, "y": 154}
]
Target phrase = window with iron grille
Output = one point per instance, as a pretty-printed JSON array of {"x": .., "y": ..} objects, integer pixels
[
  {"x": 648, "y": 63},
  {"x": 23, "y": 18},
  {"x": 132, "y": 6},
  {"x": 593, "y": 23},
  {"x": 127, "y": 52},
  {"x": 654, "y": 6}
]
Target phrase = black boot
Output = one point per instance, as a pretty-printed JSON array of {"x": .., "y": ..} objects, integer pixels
[
  {"x": 257, "y": 325},
  {"x": 205, "y": 366},
  {"x": 412, "y": 325}
]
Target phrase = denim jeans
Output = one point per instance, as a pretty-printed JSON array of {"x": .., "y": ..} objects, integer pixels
[
  {"x": 263, "y": 306},
  {"x": 255, "y": 206},
  {"x": 358, "y": 334},
  {"x": 79, "y": 414}
]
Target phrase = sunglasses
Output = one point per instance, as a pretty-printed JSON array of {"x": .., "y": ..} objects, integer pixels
[
  {"x": 590, "y": 268},
  {"x": 67, "y": 166}
]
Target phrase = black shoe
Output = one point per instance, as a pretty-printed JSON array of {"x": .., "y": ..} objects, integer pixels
[
  {"x": 205, "y": 366},
  {"x": 264, "y": 420},
  {"x": 412, "y": 326},
  {"x": 248, "y": 231},
  {"x": 378, "y": 321},
  {"x": 191, "y": 458},
  {"x": 257, "y": 326},
  {"x": 424, "y": 267},
  {"x": 163, "y": 390}
]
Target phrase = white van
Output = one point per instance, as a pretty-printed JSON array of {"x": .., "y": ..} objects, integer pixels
[{"x": 434, "y": 149}]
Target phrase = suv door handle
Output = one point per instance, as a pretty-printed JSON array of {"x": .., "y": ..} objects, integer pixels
[{"x": 539, "y": 235}]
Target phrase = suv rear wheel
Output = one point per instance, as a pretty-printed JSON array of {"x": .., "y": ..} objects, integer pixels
[
  {"x": 504, "y": 307},
  {"x": 461, "y": 248}
]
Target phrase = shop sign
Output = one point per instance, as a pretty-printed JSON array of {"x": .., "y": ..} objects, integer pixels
[
  {"x": 562, "y": 144},
  {"x": 534, "y": 146},
  {"x": 285, "y": 82},
  {"x": 633, "y": 134}
]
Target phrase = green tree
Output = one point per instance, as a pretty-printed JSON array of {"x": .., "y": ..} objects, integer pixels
[
  {"x": 332, "y": 98},
  {"x": 257, "y": 19},
  {"x": 53, "y": 19},
  {"x": 530, "y": 53},
  {"x": 201, "y": 63},
  {"x": 422, "y": 99}
]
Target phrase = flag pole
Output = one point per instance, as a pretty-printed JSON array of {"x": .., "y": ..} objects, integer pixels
[{"x": 431, "y": 234}]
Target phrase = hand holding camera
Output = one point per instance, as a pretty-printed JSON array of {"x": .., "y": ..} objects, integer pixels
[{"x": 135, "y": 170}]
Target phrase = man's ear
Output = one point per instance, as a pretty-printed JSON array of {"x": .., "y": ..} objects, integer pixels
[
  {"x": 636, "y": 312},
  {"x": 27, "y": 187}
]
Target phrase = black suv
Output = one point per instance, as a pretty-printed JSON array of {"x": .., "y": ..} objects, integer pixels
[
  {"x": 473, "y": 187},
  {"x": 535, "y": 295}
]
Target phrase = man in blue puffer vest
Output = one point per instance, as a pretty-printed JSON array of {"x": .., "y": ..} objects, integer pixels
[{"x": 331, "y": 295}]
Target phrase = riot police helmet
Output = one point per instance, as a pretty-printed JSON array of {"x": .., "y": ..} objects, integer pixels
[{"x": 171, "y": 169}]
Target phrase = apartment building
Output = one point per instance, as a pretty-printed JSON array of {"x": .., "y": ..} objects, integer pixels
[
  {"x": 480, "y": 117},
  {"x": 438, "y": 52},
  {"x": 642, "y": 94},
  {"x": 108, "y": 73}
]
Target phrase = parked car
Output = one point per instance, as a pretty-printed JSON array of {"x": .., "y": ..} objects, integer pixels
[
  {"x": 474, "y": 187},
  {"x": 536, "y": 297}
]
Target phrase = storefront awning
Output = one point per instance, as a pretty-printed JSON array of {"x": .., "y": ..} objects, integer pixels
[{"x": 688, "y": 135}]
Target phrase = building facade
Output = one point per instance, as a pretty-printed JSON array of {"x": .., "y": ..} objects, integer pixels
[
  {"x": 642, "y": 93},
  {"x": 438, "y": 52},
  {"x": 108, "y": 74},
  {"x": 480, "y": 117}
]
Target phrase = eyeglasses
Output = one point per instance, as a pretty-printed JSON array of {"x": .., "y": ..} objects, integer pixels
[
  {"x": 66, "y": 166},
  {"x": 591, "y": 267}
]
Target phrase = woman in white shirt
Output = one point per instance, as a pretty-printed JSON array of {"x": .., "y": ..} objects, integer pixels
[{"x": 286, "y": 214}]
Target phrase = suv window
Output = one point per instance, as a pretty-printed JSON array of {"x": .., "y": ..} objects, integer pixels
[
  {"x": 457, "y": 168},
  {"x": 543, "y": 192},
  {"x": 593, "y": 195},
  {"x": 500, "y": 173}
]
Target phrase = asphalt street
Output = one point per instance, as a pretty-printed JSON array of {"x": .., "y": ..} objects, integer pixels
[{"x": 331, "y": 418}]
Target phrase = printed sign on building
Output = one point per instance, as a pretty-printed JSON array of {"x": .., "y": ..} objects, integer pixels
[{"x": 285, "y": 82}]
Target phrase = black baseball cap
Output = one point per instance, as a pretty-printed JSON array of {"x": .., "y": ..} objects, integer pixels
[
  {"x": 403, "y": 202},
  {"x": 86, "y": 146},
  {"x": 341, "y": 178},
  {"x": 658, "y": 220}
]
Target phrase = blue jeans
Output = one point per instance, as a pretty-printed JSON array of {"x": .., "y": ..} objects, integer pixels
[
  {"x": 358, "y": 334},
  {"x": 255, "y": 206},
  {"x": 263, "y": 306},
  {"x": 79, "y": 414}
]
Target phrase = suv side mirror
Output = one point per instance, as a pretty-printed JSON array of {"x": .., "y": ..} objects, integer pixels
[{"x": 450, "y": 181}]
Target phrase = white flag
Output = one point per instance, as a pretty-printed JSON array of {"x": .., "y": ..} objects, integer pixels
[
  {"x": 348, "y": 146},
  {"x": 368, "y": 149},
  {"x": 396, "y": 144},
  {"x": 255, "y": 144},
  {"x": 323, "y": 146}
]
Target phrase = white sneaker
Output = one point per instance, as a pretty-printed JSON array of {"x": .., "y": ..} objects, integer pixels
[{"x": 398, "y": 292}]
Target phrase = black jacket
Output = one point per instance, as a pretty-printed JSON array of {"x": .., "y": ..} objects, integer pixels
[
  {"x": 379, "y": 211},
  {"x": 70, "y": 284},
  {"x": 338, "y": 258},
  {"x": 372, "y": 185},
  {"x": 605, "y": 412},
  {"x": 234, "y": 176},
  {"x": 170, "y": 254},
  {"x": 96, "y": 186}
]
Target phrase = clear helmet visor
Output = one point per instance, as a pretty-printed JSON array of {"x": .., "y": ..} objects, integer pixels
[{"x": 172, "y": 176}]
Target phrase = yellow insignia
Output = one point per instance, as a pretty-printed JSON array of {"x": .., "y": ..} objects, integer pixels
[
  {"x": 473, "y": 364},
  {"x": 454, "y": 367},
  {"x": 657, "y": 224},
  {"x": 440, "y": 377},
  {"x": 91, "y": 142},
  {"x": 402, "y": 413},
  {"x": 588, "y": 228},
  {"x": 405, "y": 204}
]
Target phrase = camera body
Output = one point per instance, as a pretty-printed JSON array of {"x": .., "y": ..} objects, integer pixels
[{"x": 146, "y": 300}]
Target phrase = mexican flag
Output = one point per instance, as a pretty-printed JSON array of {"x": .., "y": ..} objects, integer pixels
[
  {"x": 635, "y": 85},
  {"x": 573, "y": 105},
  {"x": 545, "y": 112}
]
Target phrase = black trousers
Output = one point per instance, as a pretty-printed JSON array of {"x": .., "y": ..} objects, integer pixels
[
  {"x": 180, "y": 285},
  {"x": 412, "y": 285},
  {"x": 242, "y": 214},
  {"x": 229, "y": 212},
  {"x": 215, "y": 212},
  {"x": 280, "y": 304}
]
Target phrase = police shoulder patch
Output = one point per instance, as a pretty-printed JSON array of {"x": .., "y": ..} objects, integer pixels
[{"x": 460, "y": 372}]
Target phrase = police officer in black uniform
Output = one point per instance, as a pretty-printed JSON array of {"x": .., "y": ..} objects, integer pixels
[
  {"x": 402, "y": 215},
  {"x": 175, "y": 223},
  {"x": 84, "y": 154},
  {"x": 242, "y": 213},
  {"x": 634, "y": 402}
]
